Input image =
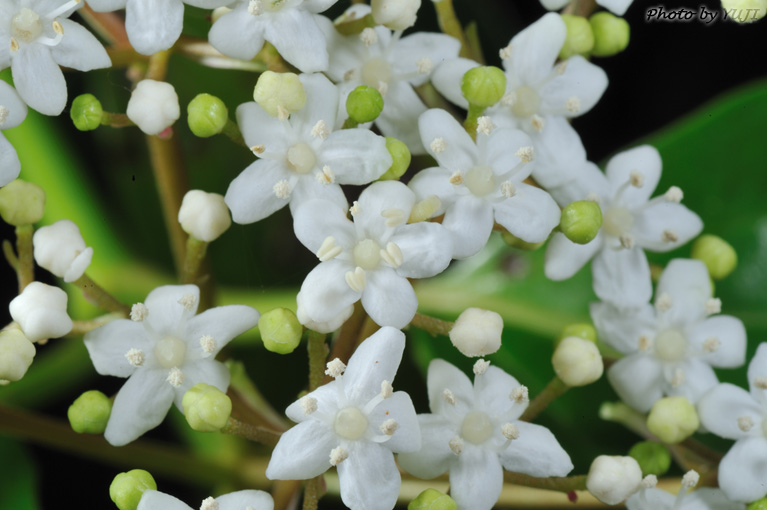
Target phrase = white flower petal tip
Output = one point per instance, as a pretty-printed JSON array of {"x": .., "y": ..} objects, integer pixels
[
  {"x": 153, "y": 106},
  {"x": 204, "y": 215},
  {"x": 60, "y": 249},
  {"x": 41, "y": 311}
]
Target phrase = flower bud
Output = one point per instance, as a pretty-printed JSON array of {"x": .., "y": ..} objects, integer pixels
[
  {"x": 364, "y": 104},
  {"x": 280, "y": 94},
  {"x": 483, "y": 86},
  {"x": 759, "y": 504},
  {"x": 21, "y": 203},
  {"x": 325, "y": 326},
  {"x": 718, "y": 255},
  {"x": 577, "y": 361},
  {"x": 126, "y": 488},
  {"x": 673, "y": 419},
  {"x": 206, "y": 408},
  {"x": 477, "y": 332},
  {"x": 204, "y": 216},
  {"x": 60, "y": 249},
  {"x": 580, "y": 38},
  {"x": 89, "y": 413},
  {"x": 432, "y": 499},
  {"x": 613, "y": 479},
  {"x": 395, "y": 14},
  {"x": 16, "y": 354},
  {"x": 86, "y": 112},
  {"x": 207, "y": 115},
  {"x": 581, "y": 221},
  {"x": 400, "y": 156},
  {"x": 153, "y": 106},
  {"x": 653, "y": 458},
  {"x": 280, "y": 330},
  {"x": 611, "y": 34},
  {"x": 745, "y": 11},
  {"x": 41, "y": 311},
  {"x": 581, "y": 330}
]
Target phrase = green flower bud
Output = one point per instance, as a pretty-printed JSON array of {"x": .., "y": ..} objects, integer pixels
[
  {"x": 89, "y": 413},
  {"x": 611, "y": 34},
  {"x": 581, "y": 330},
  {"x": 400, "y": 156},
  {"x": 483, "y": 86},
  {"x": 515, "y": 242},
  {"x": 280, "y": 94},
  {"x": 21, "y": 203},
  {"x": 673, "y": 419},
  {"x": 280, "y": 330},
  {"x": 581, "y": 221},
  {"x": 16, "y": 354},
  {"x": 364, "y": 104},
  {"x": 718, "y": 255},
  {"x": 207, "y": 115},
  {"x": 745, "y": 11},
  {"x": 577, "y": 362},
  {"x": 127, "y": 488},
  {"x": 432, "y": 499},
  {"x": 759, "y": 504},
  {"x": 653, "y": 458},
  {"x": 206, "y": 408},
  {"x": 580, "y": 38},
  {"x": 86, "y": 112}
]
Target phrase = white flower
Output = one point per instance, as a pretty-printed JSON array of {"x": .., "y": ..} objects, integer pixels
[
  {"x": 35, "y": 39},
  {"x": 702, "y": 499},
  {"x": 16, "y": 354},
  {"x": 302, "y": 157},
  {"x": 41, "y": 311},
  {"x": 240, "y": 500},
  {"x": 395, "y": 14},
  {"x": 370, "y": 259},
  {"x": 631, "y": 223},
  {"x": 734, "y": 413},
  {"x": 60, "y": 249},
  {"x": 618, "y": 7},
  {"x": 612, "y": 479},
  {"x": 290, "y": 25},
  {"x": 204, "y": 215},
  {"x": 153, "y": 106},
  {"x": 161, "y": 353},
  {"x": 474, "y": 433},
  {"x": 479, "y": 184},
  {"x": 354, "y": 423},
  {"x": 477, "y": 332},
  {"x": 13, "y": 111},
  {"x": 672, "y": 346}
]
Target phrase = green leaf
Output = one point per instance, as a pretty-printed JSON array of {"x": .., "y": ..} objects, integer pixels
[{"x": 19, "y": 481}]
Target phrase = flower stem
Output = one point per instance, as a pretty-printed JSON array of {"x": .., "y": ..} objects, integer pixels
[
  {"x": 561, "y": 484},
  {"x": 101, "y": 298},
  {"x": 251, "y": 432},
  {"x": 318, "y": 355},
  {"x": 25, "y": 271},
  {"x": 470, "y": 124},
  {"x": 449, "y": 24},
  {"x": 432, "y": 325},
  {"x": 551, "y": 392},
  {"x": 195, "y": 254},
  {"x": 232, "y": 131},
  {"x": 116, "y": 120},
  {"x": 79, "y": 328},
  {"x": 158, "y": 66},
  {"x": 10, "y": 256},
  {"x": 313, "y": 491},
  {"x": 344, "y": 344}
]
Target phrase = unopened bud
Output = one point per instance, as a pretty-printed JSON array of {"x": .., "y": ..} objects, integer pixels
[
  {"x": 16, "y": 354},
  {"x": 364, "y": 104},
  {"x": 580, "y": 38},
  {"x": 279, "y": 93},
  {"x": 207, "y": 115},
  {"x": 395, "y": 14},
  {"x": 653, "y": 458},
  {"x": 581, "y": 221},
  {"x": 577, "y": 361},
  {"x": 432, "y": 499},
  {"x": 400, "y": 156},
  {"x": 581, "y": 330},
  {"x": 204, "y": 216},
  {"x": 89, "y": 413},
  {"x": 126, "y": 488},
  {"x": 673, "y": 419},
  {"x": 21, "y": 203},
  {"x": 477, "y": 332},
  {"x": 280, "y": 330},
  {"x": 206, "y": 408},
  {"x": 86, "y": 112},
  {"x": 483, "y": 86},
  {"x": 153, "y": 106},
  {"x": 718, "y": 255},
  {"x": 613, "y": 479},
  {"x": 41, "y": 311},
  {"x": 60, "y": 249},
  {"x": 611, "y": 34}
]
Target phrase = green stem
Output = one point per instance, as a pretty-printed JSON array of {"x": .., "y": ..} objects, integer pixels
[
  {"x": 470, "y": 124},
  {"x": 25, "y": 271},
  {"x": 115, "y": 120},
  {"x": 251, "y": 432},
  {"x": 432, "y": 325},
  {"x": 318, "y": 355},
  {"x": 350, "y": 123},
  {"x": 551, "y": 392},
  {"x": 449, "y": 24},
  {"x": 313, "y": 491},
  {"x": 10, "y": 256},
  {"x": 158, "y": 66},
  {"x": 195, "y": 254},
  {"x": 561, "y": 484},
  {"x": 101, "y": 298},
  {"x": 79, "y": 328},
  {"x": 356, "y": 26},
  {"x": 232, "y": 131}
]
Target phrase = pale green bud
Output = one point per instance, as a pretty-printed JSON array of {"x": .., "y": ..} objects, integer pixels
[
  {"x": 483, "y": 86},
  {"x": 280, "y": 94},
  {"x": 364, "y": 104},
  {"x": 21, "y": 203},
  {"x": 515, "y": 242},
  {"x": 206, "y": 408},
  {"x": 432, "y": 499},
  {"x": 580, "y": 38},
  {"x": 577, "y": 362},
  {"x": 718, "y": 255},
  {"x": 400, "y": 156},
  {"x": 86, "y": 112},
  {"x": 745, "y": 11},
  {"x": 653, "y": 458},
  {"x": 759, "y": 504},
  {"x": 16, "y": 354},
  {"x": 581, "y": 330},
  {"x": 581, "y": 221},
  {"x": 673, "y": 419},
  {"x": 89, "y": 413},
  {"x": 207, "y": 115},
  {"x": 611, "y": 34},
  {"x": 280, "y": 330},
  {"x": 126, "y": 488}
]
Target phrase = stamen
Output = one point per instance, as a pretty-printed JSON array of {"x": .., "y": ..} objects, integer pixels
[
  {"x": 538, "y": 123},
  {"x": 745, "y": 423},
  {"x": 760, "y": 382},
  {"x": 255, "y": 7},
  {"x": 525, "y": 154},
  {"x": 335, "y": 368},
  {"x": 389, "y": 427},
  {"x": 664, "y": 303},
  {"x": 424, "y": 209},
  {"x": 449, "y": 396},
  {"x": 386, "y": 389},
  {"x": 338, "y": 455},
  {"x": 508, "y": 189},
  {"x": 282, "y": 113},
  {"x": 188, "y": 301},
  {"x": 561, "y": 68},
  {"x": 62, "y": 9},
  {"x": 678, "y": 378},
  {"x": 175, "y": 377},
  {"x": 425, "y": 65},
  {"x": 208, "y": 344},
  {"x": 308, "y": 405},
  {"x": 382, "y": 87},
  {"x": 505, "y": 53},
  {"x": 356, "y": 279},
  {"x": 355, "y": 208},
  {"x": 282, "y": 189},
  {"x": 139, "y": 312},
  {"x": 649, "y": 481},
  {"x": 3, "y": 114},
  {"x": 135, "y": 357},
  {"x": 627, "y": 241},
  {"x": 520, "y": 395},
  {"x": 670, "y": 236},
  {"x": 713, "y": 305},
  {"x": 485, "y": 125},
  {"x": 509, "y": 99},
  {"x": 593, "y": 197},
  {"x": 258, "y": 149},
  {"x": 209, "y": 504},
  {"x": 368, "y": 37},
  {"x": 480, "y": 367},
  {"x": 321, "y": 130},
  {"x": 394, "y": 217},
  {"x": 456, "y": 178},
  {"x": 674, "y": 194},
  {"x": 349, "y": 75},
  {"x": 573, "y": 105},
  {"x": 510, "y": 431},
  {"x": 645, "y": 343},
  {"x": 392, "y": 255},
  {"x": 438, "y": 145},
  {"x": 711, "y": 345},
  {"x": 14, "y": 44},
  {"x": 690, "y": 479},
  {"x": 326, "y": 176},
  {"x": 636, "y": 179},
  {"x": 329, "y": 249},
  {"x": 456, "y": 445}
]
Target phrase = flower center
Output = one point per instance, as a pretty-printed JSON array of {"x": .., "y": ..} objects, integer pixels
[
  {"x": 350, "y": 423},
  {"x": 480, "y": 180},
  {"x": 26, "y": 25},
  {"x": 301, "y": 158},
  {"x": 670, "y": 345},
  {"x": 477, "y": 427},
  {"x": 376, "y": 71},
  {"x": 618, "y": 221},
  {"x": 170, "y": 352},
  {"x": 367, "y": 254},
  {"x": 526, "y": 102}
]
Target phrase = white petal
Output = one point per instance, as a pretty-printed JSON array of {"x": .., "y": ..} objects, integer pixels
[
  {"x": 314, "y": 221},
  {"x": 757, "y": 367},
  {"x": 435, "y": 456},
  {"x": 346, "y": 52},
  {"x": 329, "y": 400},
  {"x": 720, "y": 408},
  {"x": 356, "y": 156},
  {"x": 536, "y": 452},
  {"x": 470, "y": 222},
  {"x": 78, "y": 266},
  {"x": 399, "y": 118},
  {"x": 535, "y": 49},
  {"x": 492, "y": 392},
  {"x": 10, "y": 166},
  {"x": 223, "y": 323},
  {"x": 698, "y": 379},
  {"x": 622, "y": 277},
  {"x": 107, "y": 5},
  {"x": 405, "y": 53},
  {"x": 638, "y": 381},
  {"x": 687, "y": 282},
  {"x": 644, "y": 159},
  {"x": 309, "y": 188},
  {"x": 407, "y": 437},
  {"x": 476, "y": 479},
  {"x": 743, "y": 471},
  {"x": 460, "y": 153},
  {"x": 501, "y": 152},
  {"x": 325, "y": 292},
  {"x": 426, "y": 249},
  {"x": 708, "y": 499},
  {"x": 554, "y": 5},
  {"x": 257, "y": 500},
  {"x": 260, "y": 128},
  {"x": 389, "y": 298},
  {"x": 564, "y": 258},
  {"x": 559, "y": 153},
  {"x": 447, "y": 78},
  {"x": 79, "y": 49},
  {"x": 652, "y": 499},
  {"x": 434, "y": 181},
  {"x": 622, "y": 328},
  {"x": 108, "y": 344},
  {"x": 153, "y": 25},
  {"x": 442, "y": 376},
  {"x": 588, "y": 180},
  {"x": 299, "y": 40},
  {"x": 652, "y": 222},
  {"x": 17, "y": 109},
  {"x": 321, "y": 103},
  {"x": 531, "y": 214},
  {"x": 317, "y": 6},
  {"x": 369, "y": 478},
  {"x": 377, "y": 198},
  {"x": 581, "y": 79},
  {"x": 303, "y": 452},
  {"x": 38, "y": 79},
  {"x": 376, "y": 360},
  {"x": 731, "y": 350},
  {"x": 165, "y": 311},
  {"x": 208, "y": 371},
  {"x": 251, "y": 195},
  {"x": 154, "y": 500},
  {"x": 617, "y": 7},
  {"x": 237, "y": 34}
]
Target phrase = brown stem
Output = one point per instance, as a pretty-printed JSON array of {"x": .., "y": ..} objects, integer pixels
[
  {"x": 158, "y": 66},
  {"x": 344, "y": 344},
  {"x": 313, "y": 491},
  {"x": 432, "y": 325},
  {"x": 449, "y": 24},
  {"x": 195, "y": 254},
  {"x": 318, "y": 355},
  {"x": 561, "y": 484},
  {"x": 251, "y": 432},
  {"x": 551, "y": 392},
  {"x": 116, "y": 120},
  {"x": 108, "y": 25},
  {"x": 101, "y": 298},
  {"x": 25, "y": 271}
]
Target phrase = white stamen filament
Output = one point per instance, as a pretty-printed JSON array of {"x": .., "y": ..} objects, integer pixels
[{"x": 62, "y": 9}]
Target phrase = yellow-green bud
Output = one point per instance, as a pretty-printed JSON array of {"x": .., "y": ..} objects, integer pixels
[
  {"x": 206, "y": 408},
  {"x": 483, "y": 86},
  {"x": 364, "y": 104},
  {"x": 581, "y": 330},
  {"x": 673, "y": 419},
  {"x": 400, "y": 156},
  {"x": 718, "y": 255},
  {"x": 21, "y": 203},
  {"x": 745, "y": 11},
  {"x": 580, "y": 38},
  {"x": 207, "y": 115},
  {"x": 86, "y": 112},
  {"x": 432, "y": 499},
  {"x": 126, "y": 488},
  {"x": 280, "y": 94},
  {"x": 16, "y": 354},
  {"x": 759, "y": 504},
  {"x": 653, "y": 458},
  {"x": 280, "y": 330},
  {"x": 611, "y": 34},
  {"x": 577, "y": 362},
  {"x": 89, "y": 413},
  {"x": 581, "y": 221},
  {"x": 515, "y": 242}
]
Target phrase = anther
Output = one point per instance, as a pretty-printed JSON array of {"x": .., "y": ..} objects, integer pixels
[
  {"x": 713, "y": 305},
  {"x": 329, "y": 249},
  {"x": 382, "y": 87},
  {"x": 394, "y": 217},
  {"x": 593, "y": 197},
  {"x": 745, "y": 423},
  {"x": 509, "y": 99},
  {"x": 678, "y": 378},
  {"x": 505, "y": 53},
  {"x": 175, "y": 377},
  {"x": 674, "y": 194},
  {"x": 255, "y": 7},
  {"x": 135, "y": 357},
  {"x": 209, "y": 504},
  {"x": 335, "y": 368},
  {"x": 355, "y": 208},
  {"x": 308, "y": 405},
  {"x": 664, "y": 303},
  {"x": 636, "y": 179},
  {"x": 690, "y": 479},
  {"x": 389, "y": 427},
  {"x": 456, "y": 178},
  {"x": 3, "y": 114},
  {"x": 525, "y": 154},
  {"x": 258, "y": 149},
  {"x": 58, "y": 28},
  {"x": 456, "y": 445},
  {"x": 326, "y": 176},
  {"x": 520, "y": 395},
  {"x": 644, "y": 343},
  {"x": 711, "y": 344},
  {"x": 425, "y": 65},
  {"x": 438, "y": 145},
  {"x": 282, "y": 189},
  {"x": 485, "y": 125},
  {"x": 208, "y": 344},
  {"x": 510, "y": 431},
  {"x": 14, "y": 44},
  {"x": 449, "y": 396},
  {"x": 338, "y": 455},
  {"x": 649, "y": 481},
  {"x": 760, "y": 382},
  {"x": 392, "y": 255},
  {"x": 480, "y": 367},
  {"x": 538, "y": 123},
  {"x": 138, "y": 312},
  {"x": 424, "y": 209},
  {"x": 282, "y": 113},
  {"x": 368, "y": 37},
  {"x": 386, "y": 389},
  {"x": 627, "y": 241},
  {"x": 321, "y": 130},
  {"x": 573, "y": 105},
  {"x": 188, "y": 301},
  {"x": 670, "y": 236},
  {"x": 356, "y": 279}
]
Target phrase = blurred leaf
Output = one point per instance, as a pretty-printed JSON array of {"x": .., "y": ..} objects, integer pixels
[{"x": 18, "y": 476}]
